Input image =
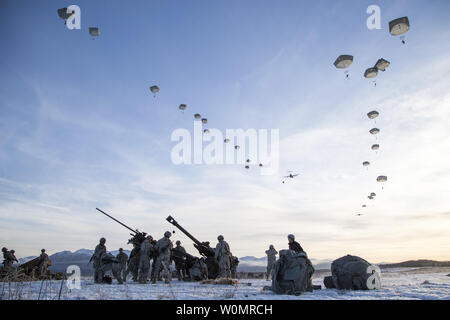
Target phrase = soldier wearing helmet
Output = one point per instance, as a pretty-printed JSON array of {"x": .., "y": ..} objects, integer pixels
[
  {"x": 144, "y": 259},
  {"x": 222, "y": 254},
  {"x": 294, "y": 245},
  {"x": 163, "y": 250},
  {"x": 122, "y": 257},
  {"x": 180, "y": 261},
  {"x": 43, "y": 262},
  {"x": 99, "y": 252},
  {"x": 8, "y": 259}
]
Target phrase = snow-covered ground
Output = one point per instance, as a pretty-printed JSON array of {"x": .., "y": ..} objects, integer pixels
[{"x": 401, "y": 283}]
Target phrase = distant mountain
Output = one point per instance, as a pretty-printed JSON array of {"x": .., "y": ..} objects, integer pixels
[{"x": 416, "y": 264}]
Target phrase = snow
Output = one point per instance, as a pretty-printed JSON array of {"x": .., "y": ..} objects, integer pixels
[{"x": 400, "y": 283}]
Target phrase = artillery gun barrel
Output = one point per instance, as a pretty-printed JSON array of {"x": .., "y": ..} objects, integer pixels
[
  {"x": 123, "y": 224},
  {"x": 190, "y": 236}
]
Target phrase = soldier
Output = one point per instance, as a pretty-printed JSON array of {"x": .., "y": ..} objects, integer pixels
[
  {"x": 163, "y": 248},
  {"x": 144, "y": 259},
  {"x": 294, "y": 245},
  {"x": 8, "y": 259},
  {"x": 99, "y": 252},
  {"x": 43, "y": 263},
  {"x": 234, "y": 265},
  {"x": 180, "y": 262},
  {"x": 133, "y": 263},
  {"x": 271, "y": 258},
  {"x": 223, "y": 255},
  {"x": 123, "y": 258},
  {"x": 13, "y": 253}
]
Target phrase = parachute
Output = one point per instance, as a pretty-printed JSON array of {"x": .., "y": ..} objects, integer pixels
[
  {"x": 226, "y": 140},
  {"x": 366, "y": 163},
  {"x": 374, "y": 131},
  {"x": 247, "y": 167},
  {"x": 260, "y": 164},
  {"x": 370, "y": 197},
  {"x": 154, "y": 90},
  {"x": 197, "y": 116},
  {"x": 349, "y": 273},
  {"x": 93, "y": 31},
  {"x": 343, "y": 61},
  {"x": 237, "y": 147},
  {"x": 373, "y": 194},
  {"x": 182, "y": 107},
  {"x": 206, "y": 131},
  {"x": 375, "y": 147},
  {"x": 204, "y": 121},
  {"x": 382, "y": 64},
  {"x": 373, "y": 114},
  {"x": 371, "y": 72},
  {"x": 364, "y": 206},
  {"x": 399, "y": 26},
  {"x": 381, "y": 178}
]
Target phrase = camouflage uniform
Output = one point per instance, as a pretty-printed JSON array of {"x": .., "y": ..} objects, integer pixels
[
  {"x": 144, "y": 260},
  {"x": 223, "y": 257},
  {"x": 271, "y": 258},
  {"x": 179, "y": 258},
  {"x": 163, "y": 263},
  {"x": 122, "y": 258},
  {"x": 8, "y": 259},
  {"x": 43, "y": 263},
  {"x": 234, "y": 265},
  {"x": 99, "y": 252},
  {"x": 133, "y": 264}
]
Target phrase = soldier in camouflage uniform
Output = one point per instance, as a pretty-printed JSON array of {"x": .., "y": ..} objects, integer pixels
[
  {"x": 13, "y": 253},
  {"x": 234, "y": 265},
  {"x": 144, "y": 259},
  {"x": 122, "y": 258},
  {"x": 133, "y": 263},
  {"x": 223, "y": 257},
  {"x": 271, "y": 258},
  {"x": 43, "y": 263},
  {"x": 8, "y": 259},
  {"x": 99, "y": 252},
  {"x": 163, "y": 248},
  {"x": 180, "y": 261}
]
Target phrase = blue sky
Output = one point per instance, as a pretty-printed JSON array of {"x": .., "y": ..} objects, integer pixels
[{"x": 79, "y": 128}]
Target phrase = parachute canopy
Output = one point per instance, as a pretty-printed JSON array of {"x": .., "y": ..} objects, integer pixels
[
  {"x": 366, "y": 163},
  {"x": 343, "y": 61},
  {"x": 204, "y": 121},
  {"x": 182, "y": 107},
  {"x": 382, "y": 64},
  {"x": 237, "y": 147},
  {"x": 399, "y": 26},
  {"x": 373, "y": 114},
  {"x": 371, "y": 72},
  {"x": 93, "y": 31},
  {"x": 374, "y": 131},
  {"x": 62, "y": 13},
  {"x": 154, "y": 89},
  {"x": 375, "y": 147},
  {"x": 226, "y": 140},
  {"x": 197, "y": 116},
  {"x": 206, "y": 131},
  {"x": 382, "y": 179},
  {"x": 373, "y": 194}
]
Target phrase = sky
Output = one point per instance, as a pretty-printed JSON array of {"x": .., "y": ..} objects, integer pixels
[{"x": 79, "y": 128}]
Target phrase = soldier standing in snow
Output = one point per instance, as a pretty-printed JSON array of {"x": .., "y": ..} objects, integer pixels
[
  {"x": 179, "y": 258},
  {"x": 223, "y": 257},
  {"x": 9, "y": 259},
  {"x": 271, "y": 258},
  {"x": 144, "y": 259},
  {"x": 122, "y": 257},
  {"x": 163, "y": 248},
  {"x": 99, "y": 252},
  {"x": 43, "y": 263}
]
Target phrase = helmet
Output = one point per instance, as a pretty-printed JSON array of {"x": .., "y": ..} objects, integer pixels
[
  {"x": 42, "y": 250},
  {"x": 13, "y": 251},
  {"x": 291, "y": 236},
  {"x": 178, "y": 242},
  {"x": 149, "y": 237},
  {"x": 102, "y": 240},
  {"x": 167, "y": 234},
  {"x": 120, "y": 249},
  {"x": 271, "y": 246},
  {"x": 4, "y": 249},
  {"x": 220, "y": 238}
]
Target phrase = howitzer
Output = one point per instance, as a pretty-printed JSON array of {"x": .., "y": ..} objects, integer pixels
[
  {"x": 203, "y": 248},
  {"x": 137, "y": 236}
]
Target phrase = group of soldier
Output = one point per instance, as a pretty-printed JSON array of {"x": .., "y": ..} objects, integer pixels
[
  {"x": 159, "y": 255},
  {"x": 9, "y": 258}
]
